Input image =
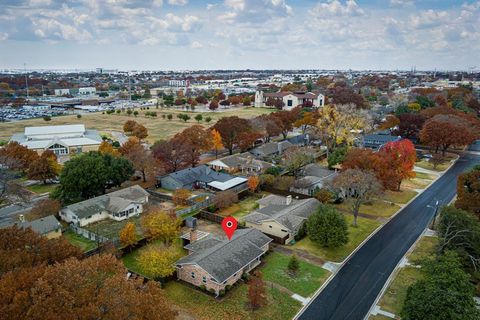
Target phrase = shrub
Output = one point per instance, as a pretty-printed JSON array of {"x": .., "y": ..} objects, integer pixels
[
  {"x": 208, "y": 119},
  {"x": 180, "y": 197},
  {"x": 47, "y": 118},
  {"x": 221, "y": 293},
  {"x": 203, "y": 287},
  {"x": 284, "y": 182},
  {"x": 225, "y": 199},
  {"x": 293, "y": 266},
  {"x": 246, "y": 277},
  {"x": 267, "y": 180},
  {"x": 275, "y": 170},
  {"x": 211, "y": 290},
  {"x": 324, "y": 195},
  {"x": 228, "y": 287},
  {"x": 119, "y": 111},
  {"x": 79, "y": 116},
  {"x": 169, "y": 116},
  {"x": 327, "y": 227}
]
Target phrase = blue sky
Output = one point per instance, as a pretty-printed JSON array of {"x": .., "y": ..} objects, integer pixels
[{"x": 234, "y": 34}]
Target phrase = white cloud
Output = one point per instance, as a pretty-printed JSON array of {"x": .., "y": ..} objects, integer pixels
[
  {"x": 178, "y": 2},
  {"x": 337, "y": 8},
  {"x": 3, "y": 36},
  {"x": 402, "y": 3},
  {"x": 196, "y": 45}
]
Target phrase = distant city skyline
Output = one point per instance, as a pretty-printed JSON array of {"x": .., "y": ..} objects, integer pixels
[{"x": 240, "y": 34}]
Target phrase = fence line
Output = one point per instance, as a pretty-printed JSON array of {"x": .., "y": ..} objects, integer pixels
[{"x": 89, "y": 234}]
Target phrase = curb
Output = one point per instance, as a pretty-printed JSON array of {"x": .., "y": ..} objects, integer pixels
[{"x": 313, "y": 297}]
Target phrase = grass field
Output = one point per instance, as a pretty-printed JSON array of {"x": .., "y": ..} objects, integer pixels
[
  {"x": 394, "y": 297},
  {"x": 376, "y": 208},
  {"x": 158, "y": 128},
  {"x": 355, "y": 234},
  {"x": 130, "y": 259},
  {"x": 423, "y": 175},
  {"x": 401, "y": 197},
  {"x": 305, "y": 283},
  {"x": 242, "y": 208},
  {"x": 234, "y": 306},
  {"x": 78, "y": 241},
  {"x": 41, "y": 188}
]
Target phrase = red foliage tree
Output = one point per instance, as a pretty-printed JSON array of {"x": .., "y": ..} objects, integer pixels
[
  {"x": 400, "y": 158},
  {"x": 230, "y": 129},
  {"x": 195, "y": 139}
]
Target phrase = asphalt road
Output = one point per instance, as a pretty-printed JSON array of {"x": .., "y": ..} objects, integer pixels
[{"x": 354, "y": 289}]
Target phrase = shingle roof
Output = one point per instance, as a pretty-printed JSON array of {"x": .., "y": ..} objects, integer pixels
[
  {"x": 272, "y": 199},
  {"x": 201, "y": 173},
  {"x": 112, "y": 202},
  {"x": 272, "y": 147},
  {"x": 57, "y": 130},
  {"x": 42, "y": 225},
  {"x": 225, "y": 258},
  {"x": 315, "y": 170},
  {"x": 290, "y": 216},
  {"x": 243, "y": 160}
]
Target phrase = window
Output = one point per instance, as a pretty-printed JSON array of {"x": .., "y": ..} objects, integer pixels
[
  {"x": 204, "y": 279},
  {"x": 284, "y": 230},
  {"x": 270, "y": 227},
  {"x": 79, "y": 149},
  {"x": 289, "y": 103},
  {"x": 89, "y": 217},
  {"x": 193, "y": 275}
]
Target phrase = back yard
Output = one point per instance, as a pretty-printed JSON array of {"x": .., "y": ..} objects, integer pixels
[
  {"x": 110, "y": 228},
  {"x": 234, "y": 306}
]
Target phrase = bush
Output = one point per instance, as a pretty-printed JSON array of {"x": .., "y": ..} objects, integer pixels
[
  {"x": 116, "y": 144},
  {"x": 337, "y": 156},
  {"x": 119, "y": 111},
  {"x": 181, "y": 196},
  {"x": 327, "y": 227},
  {"x": 228, "y": 287},
  {"x": 135, "y": 113},
  {"x": 203, "y": 287},
  {"x": 208, "y": 119},
  {"x": 293, "y": 266},
  {"x": 246, "y": 277},
  {"x": 302, "y": 232},
  {"x": 169, "y": 117},
  {"x": 47, "y": 118},
  {"x": 267, "y": 180},
  {"x": 221, "y": 293},
  {"x": 324, "y": 195},
  {"x": 211, "y": 290},
  {"x": 79, "y": 116},
  {"x": 276, "y": 170},
  {"x": 211, "y": 208}
]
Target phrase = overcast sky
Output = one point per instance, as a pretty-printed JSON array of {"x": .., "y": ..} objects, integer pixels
[{"x": 240, "y": 34}]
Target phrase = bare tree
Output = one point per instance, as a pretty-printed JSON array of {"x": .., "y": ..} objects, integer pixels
[
  {"x": 10, "y": 190},
  {"x": 357, "y": 187}
]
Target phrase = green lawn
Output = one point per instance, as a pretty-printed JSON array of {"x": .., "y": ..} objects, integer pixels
[
  {"x": 78, "y": 241},
  {"x": 242, "y": 208},
  {"x": 42, "y": 188},
  {"x": 396, "y": 293},
  {"x": 376, "y": 208},
  {"x": 378, "y": 317},
  {"x": 416, "y": 183},
  {"x": 392, "y": 300},
  {"x": 356, "y": 236},
  {"x": 310, "y": 277},
  {"x": 233, "y": 306},
  {"x": 423, "y": 175},
  {"x": 401, "y": 197},
  {"x": 427, "y": 165},
  {"x": 130, "y": 259}
]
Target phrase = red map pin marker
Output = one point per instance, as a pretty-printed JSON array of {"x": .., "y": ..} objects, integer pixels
[{"x": 229, "y": 225}]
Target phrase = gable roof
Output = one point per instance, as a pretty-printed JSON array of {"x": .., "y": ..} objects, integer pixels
[
  {"x": 200, "y": 173},
  {"x": 290, "y": 216},
  {"x": 42, "y": 225},
  {"x": 314, "y": 170},
  {"x": 223, "y": 258},
  {"x": 55, "y": 130},
  {"x": 272, "y": 148},
  {"x": 242, "y": 160},
  {"x": 112, "y": 202}
]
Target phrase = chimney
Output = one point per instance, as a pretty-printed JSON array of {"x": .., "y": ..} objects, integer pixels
[
  {"x": 193, "y": 235},
  {"x": 288, "y": 200},
  {"x": 21, "y": 218}
]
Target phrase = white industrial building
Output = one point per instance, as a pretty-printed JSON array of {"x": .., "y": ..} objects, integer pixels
[{"x": 290, "y": 99}]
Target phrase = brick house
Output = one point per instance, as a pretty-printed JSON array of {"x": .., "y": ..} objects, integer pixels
[{"x": 216, "y": 263}]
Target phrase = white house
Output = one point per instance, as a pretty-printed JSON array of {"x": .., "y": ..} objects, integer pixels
[
  {"x": 290, "y": 99},
  {"x": 62, "y": 92},
  {"x": 62, "y": 140},
  {"x": 118, "y": 205}
]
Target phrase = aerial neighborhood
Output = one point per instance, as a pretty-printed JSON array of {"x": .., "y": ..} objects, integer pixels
[{"x": 241, "y": 160}]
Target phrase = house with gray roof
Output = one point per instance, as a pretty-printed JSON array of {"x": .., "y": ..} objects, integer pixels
[
  {"x": 48, "y": 226},
  {"x": 243, "y": 162},
  {"x": 281, "y": 217},
  {"x": 202, "y": 177},
  {"x": 271, "y": 149},
  {"x": 118, "y": 205},
  {"x": 313, "y": 178},
  {"x": 377, "y": 140},
  {"x": 215, "y": 263}
]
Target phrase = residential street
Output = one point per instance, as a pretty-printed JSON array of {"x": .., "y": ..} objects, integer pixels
[{"x": 354, "y": 289}]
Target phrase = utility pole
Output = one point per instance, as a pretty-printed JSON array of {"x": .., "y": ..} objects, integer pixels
[
  {"x": 129, "y": 88},
  {"x": 26, "y": 78},
  {"x": 435, "y": 213}
]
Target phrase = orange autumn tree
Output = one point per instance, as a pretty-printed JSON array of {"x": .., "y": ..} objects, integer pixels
[
  {"x": 107, "y": 148},
  {"x": 253, "y": 182},
  {"x": 400, "y": 157},
  {"x": 216, "y": 141}
]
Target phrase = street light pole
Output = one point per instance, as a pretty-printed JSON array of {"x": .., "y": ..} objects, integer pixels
[{"x": 435, "y": 213}]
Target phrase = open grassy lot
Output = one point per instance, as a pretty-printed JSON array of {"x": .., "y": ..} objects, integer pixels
[
  {"x": 233, "y": 306},
  {"x": 130, "y": 259},
  {"x": 110, "y": 228},
  {"x": 158, "y": 128},
  {"x": 242, "y": 208},
  {"x": 309, "y": 278},
  {"x": 401, "y": 197},
  {"x": 42, "y": 188},
  {"x": 78, "y": 241},
  {"x": 423, "y": 175},
  {"x": 356, "y": 236},
  {"x": 416, "y": 183},
  {"x": 376, "y": 208},
  {"x": 396, "y": 293},
  {"x": 427, "y": 165}
]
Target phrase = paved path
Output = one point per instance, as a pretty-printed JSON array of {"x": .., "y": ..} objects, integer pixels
[{"x": 353, "y": 290}]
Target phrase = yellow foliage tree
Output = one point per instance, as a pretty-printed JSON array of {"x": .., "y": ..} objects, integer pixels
[
  {"x": 217, "y": 141},
  {"x": 107, "y": 148},
  {"x": 158, "y": 261},
  {"x": 181, "y": 196},
  {"x": 128, "y": 235},
  {"x": 159, "y": 225},
  {"x": 339, "y": 124}
]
